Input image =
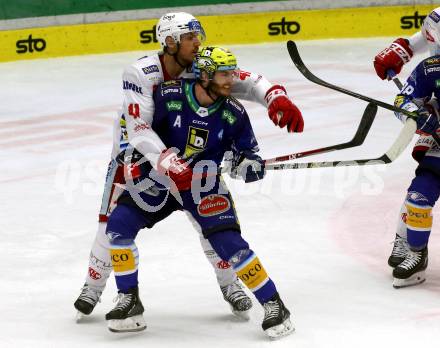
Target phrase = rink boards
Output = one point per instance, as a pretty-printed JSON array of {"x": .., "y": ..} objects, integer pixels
[{"x": 226, "y": 29}]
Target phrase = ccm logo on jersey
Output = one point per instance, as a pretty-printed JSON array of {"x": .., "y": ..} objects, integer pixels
[
  {"x": 30, "y": 45},
  {"x": 132, "y": 87},
  {"x": 213, "y": 205},
  {"x": 283, "y": 27}
]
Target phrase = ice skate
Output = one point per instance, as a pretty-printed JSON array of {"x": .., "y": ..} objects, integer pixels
[
  {"x": 127, "y": 314},
  {"x": 400, "y": 249},
  {"x": 86, "y": 301},
  {"x": 239, "y": 302},
  {"x": 412, "y": 270},
  {"x": 276, "y": 322}
]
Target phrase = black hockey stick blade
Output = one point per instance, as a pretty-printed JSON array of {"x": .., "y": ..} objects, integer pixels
[
  {"x": 358, "y": 139},
  {"x": 363, "y": 129}
]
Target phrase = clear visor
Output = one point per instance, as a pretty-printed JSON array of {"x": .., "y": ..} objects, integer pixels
[
  {"x": 227, "y": 67},
  {"x": 194, "y": 30}
]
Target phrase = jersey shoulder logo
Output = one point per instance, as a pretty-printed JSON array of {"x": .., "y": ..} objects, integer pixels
[
  {"x": 150, "y": 69},
  {"x": 228, "y": 117},
  {"x": 174, "y": 105},
  {"x": 434, "y": 16},
  {"x": 235, "y": 104}
]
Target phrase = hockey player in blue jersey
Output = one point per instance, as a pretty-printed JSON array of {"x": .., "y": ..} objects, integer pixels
[
  {"x": 410, "y": 253},
  {"x": 180, "y": 35},
  {"x": 198, "y": 122}
]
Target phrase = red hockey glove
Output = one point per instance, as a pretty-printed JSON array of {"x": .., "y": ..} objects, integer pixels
[
  {"x": 176, "y": 168},
  {"x": 282, "y": 111},
  {"x": 392, "y": 58}
]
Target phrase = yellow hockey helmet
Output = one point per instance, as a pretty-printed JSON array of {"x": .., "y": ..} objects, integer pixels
[{"x": 212, "y": 59}]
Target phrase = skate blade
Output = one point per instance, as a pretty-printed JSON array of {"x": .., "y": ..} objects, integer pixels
[
  {"x": 132, "y": 324},
  {"x": 284, "y": 329},
  {"x": 242, "y": 315},
  {"x": 416, "y": 278}
]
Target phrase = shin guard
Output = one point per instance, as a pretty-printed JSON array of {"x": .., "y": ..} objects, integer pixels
[
  {"x": 252, "y": 273},
  {"x": 125, "y": 260}
]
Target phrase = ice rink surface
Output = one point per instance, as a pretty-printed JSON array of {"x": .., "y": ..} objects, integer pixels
[{"x": 324, "y": 235}]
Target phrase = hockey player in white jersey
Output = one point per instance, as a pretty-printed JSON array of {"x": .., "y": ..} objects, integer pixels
[
  {"x": 180, "y": 36},
  {"x": 393, "y": 58},
  {"x": 402, "y": 50}
]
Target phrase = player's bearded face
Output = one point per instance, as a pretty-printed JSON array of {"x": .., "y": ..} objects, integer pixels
[
  {"x": 222, "y": 82},
  {"x": 189, "y": 46}
]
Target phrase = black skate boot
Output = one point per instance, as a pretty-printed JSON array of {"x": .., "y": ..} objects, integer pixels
[
  {"x": 276, "y": 322},
  {"x": 87, "y": 300},
  {"x": 400, "y": 249},
  {"x": 239, "y": 302},
  {"x": 412, "y": 270},
  {"x": 127, "y": 315}
]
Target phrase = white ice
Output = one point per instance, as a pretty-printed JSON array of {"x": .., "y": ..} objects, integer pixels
[{"x": 324, "y": 235}]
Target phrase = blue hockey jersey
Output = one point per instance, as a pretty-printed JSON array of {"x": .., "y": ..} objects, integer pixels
[
  {"x": 422, "y": 84},
  {"x": 200, "y": 133},
  {"x": 422, "y": 87}
]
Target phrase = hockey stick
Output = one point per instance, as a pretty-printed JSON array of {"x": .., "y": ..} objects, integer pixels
[
  {"x": 296, "y": 58},
  {"x": 358, "y": 139},
  {"x": 395, "y": 79},
  {"x": 399, "y": 145}
]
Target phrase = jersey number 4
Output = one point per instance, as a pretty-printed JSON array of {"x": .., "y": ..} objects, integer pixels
[{"x": 133, "y": 110}]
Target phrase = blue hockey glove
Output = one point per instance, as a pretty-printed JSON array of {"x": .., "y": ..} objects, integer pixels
[
  {"x": 249, "y": 166},
  {"x": 427, "y": 122}
]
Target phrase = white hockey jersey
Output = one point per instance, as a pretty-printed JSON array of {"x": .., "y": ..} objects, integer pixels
[
  {"x": 429, "y": 36},
  {"x": 419, "y": 43},
  {"x": 133, "y": 124}
]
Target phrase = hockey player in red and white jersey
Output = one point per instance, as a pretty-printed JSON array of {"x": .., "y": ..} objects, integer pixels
[
  {"x": 180, "y": 36},
  {"x": 393, "y": 58},
  {"x": 402, "y": 50}
]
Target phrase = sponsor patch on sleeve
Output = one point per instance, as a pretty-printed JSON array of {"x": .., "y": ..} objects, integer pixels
[
  {"x": 434, "y": 16},
  {"x": 127, "y": 85},
  {"x": 150, "y": 69}
]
